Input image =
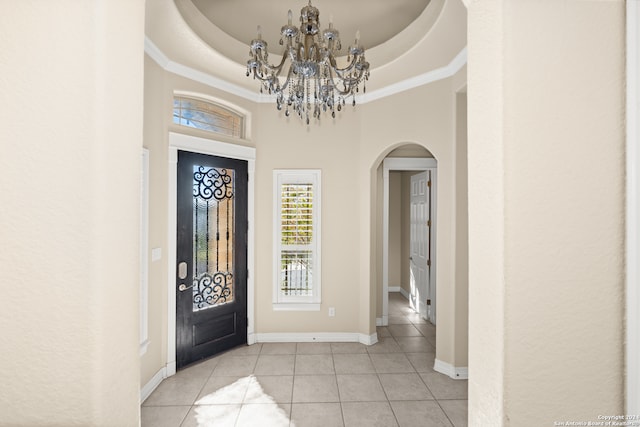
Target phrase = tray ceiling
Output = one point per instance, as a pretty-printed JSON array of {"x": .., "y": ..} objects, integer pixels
[{"x": 377, "y": 20}]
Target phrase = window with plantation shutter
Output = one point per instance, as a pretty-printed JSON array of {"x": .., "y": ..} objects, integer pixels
[{"x": 297, "y": 240}]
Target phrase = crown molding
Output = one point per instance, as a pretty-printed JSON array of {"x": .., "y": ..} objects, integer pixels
[
  {"x": 167, "y": 64},
  {"x": 441, "y": 73}
]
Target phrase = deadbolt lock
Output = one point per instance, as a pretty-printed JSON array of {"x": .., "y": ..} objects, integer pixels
[{"x": 182, "y": 270}]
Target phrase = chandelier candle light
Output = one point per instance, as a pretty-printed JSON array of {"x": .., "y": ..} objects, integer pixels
[{"x": 313, "y": 83}]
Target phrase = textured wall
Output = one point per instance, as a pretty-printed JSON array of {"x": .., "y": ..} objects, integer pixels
[
  {"x": 546, "y": 167},
  {"x": 71, "y": 139}
]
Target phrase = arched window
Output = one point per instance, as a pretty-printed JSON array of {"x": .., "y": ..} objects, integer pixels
[{"x": 205, "y": 115}]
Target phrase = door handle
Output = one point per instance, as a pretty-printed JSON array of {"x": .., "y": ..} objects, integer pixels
[
  {"x": 182, "y": 274},
  {"x": 184, "y": 287}
]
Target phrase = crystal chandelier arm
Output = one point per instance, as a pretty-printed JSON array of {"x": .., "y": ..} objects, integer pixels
[
  {"x": 334, "y": 65},
  {"x": 349, "y": 79},
  {"x": 348, "y": 82},
  {"x": 343, "y": 87},
  {"x": 358, "y": 59},
  {"x": 261, "y": 67}
]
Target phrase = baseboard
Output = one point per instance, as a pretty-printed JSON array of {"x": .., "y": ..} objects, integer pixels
[
  {"x": 153, "y": 383},
  {"x": 404, "y": 293},
  {"x": 382, "y": 321},
  {"x": 317, "y": 337},
  {"x": 394, "y": 288},
  {"x": 368, "y": 339},
  {"x": 171, "y": 369},
  {"x": 455, "y": 372},
  {"x": 251, "y": 338}
]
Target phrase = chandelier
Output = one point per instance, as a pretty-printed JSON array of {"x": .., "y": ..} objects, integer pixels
[{"x": 313, "y": 83}]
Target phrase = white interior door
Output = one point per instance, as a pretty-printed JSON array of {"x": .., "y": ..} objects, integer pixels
[{"x": 420, "y": 297}]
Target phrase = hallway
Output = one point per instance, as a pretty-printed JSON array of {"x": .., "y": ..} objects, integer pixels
[{"x": 391, "y": 383}]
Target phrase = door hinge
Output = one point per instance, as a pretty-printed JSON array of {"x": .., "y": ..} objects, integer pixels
[
  {"x": 429, "y": 183},
  {"x": 428, "y": 263},
  {"x": 429, "y": 223},
  {"x": 428, "y": 302}
]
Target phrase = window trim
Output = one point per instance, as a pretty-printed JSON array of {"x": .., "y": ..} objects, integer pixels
[{"x": 297, "y": 176}]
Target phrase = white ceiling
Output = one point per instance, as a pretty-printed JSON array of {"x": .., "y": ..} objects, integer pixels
[{"x": 377, "y": 20}]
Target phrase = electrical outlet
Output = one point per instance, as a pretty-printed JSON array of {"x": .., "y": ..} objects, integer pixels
[{"x": 332, "y": 311}]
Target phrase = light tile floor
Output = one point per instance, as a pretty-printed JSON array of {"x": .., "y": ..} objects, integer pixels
[{"x": 391, "y": 383}]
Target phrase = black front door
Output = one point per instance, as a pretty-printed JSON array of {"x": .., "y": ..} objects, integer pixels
[{"x": 211, "y": 275}]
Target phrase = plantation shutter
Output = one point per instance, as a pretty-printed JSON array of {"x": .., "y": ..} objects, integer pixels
[
  {"x": 297, "y": 264},
  {"x": 296, "y": 224}
]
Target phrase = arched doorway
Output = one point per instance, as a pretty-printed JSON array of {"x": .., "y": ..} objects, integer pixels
[{"x": 395, "y": 265}]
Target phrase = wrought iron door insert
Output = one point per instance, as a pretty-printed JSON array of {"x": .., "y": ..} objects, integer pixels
[{"x": 211, "y": 278}]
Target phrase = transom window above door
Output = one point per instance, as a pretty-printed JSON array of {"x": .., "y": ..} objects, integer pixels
[{"x": 209, "y": 116}]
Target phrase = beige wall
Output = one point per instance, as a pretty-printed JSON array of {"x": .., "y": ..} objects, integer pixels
[
  {"x": 431, "y": 126},
  {"x": 545, "y": 295},
  {"x": 403, "y": 187},
  {"x": 486, "y": 214},
  {"x": 395, "y": 228},
  {"x": 339, "y": 148},
  {"x": 546, "y": 187},
  {"x": 288, "y": 144},
  {"x": 71, "y": 139},
  {"x": 397, "y": 240},
  {"x": 158, "y": 102},
  {"x": 280, "y": 144},
  {"x": 377, "y": 202},
  {"x": 156, "y": 118},
  {"x": 461, "y": 331},
  {"x": 405, "y": 230}
]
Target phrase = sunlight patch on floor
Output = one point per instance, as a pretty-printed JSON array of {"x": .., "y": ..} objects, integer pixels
[{"x": 265, "y": 412}]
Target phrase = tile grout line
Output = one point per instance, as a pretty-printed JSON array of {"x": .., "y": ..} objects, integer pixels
[
  {"x": 193, "y": 405},
  {"x": 445, "y": 413},
  {"x": 387, "y": 396},
  {"x": 338, "y": 388},
  {"x": 293, "y": 387},
  {"x": 244, "y": 396},
  {"x": 385, "y": 351}
]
